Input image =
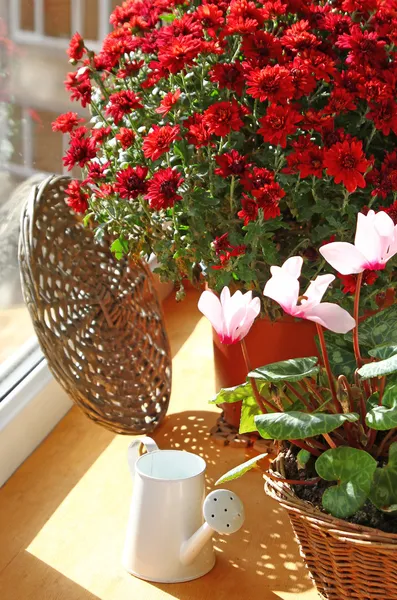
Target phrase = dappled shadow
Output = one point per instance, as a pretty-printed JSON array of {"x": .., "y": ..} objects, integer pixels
[{"x": 263, "y": 557}]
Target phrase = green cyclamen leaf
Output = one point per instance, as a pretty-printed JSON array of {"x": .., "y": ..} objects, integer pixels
[
  {"x": 354, "y": 471},
  {"x": 384, "y": 417},
  {"x": 378, "y": 369},
  {"x": 384, "y": 486},
  {"x": 233, "y": 394},
  {"x": 294, "y": 369},
  {"x": 303, "y": 458},
  {"x": 295, "y": 425},
  {"x": 249, "y": 411},
  {"x": 379, "y": 329},
  {"x": 240, "y": 470},
  {"x": 385, "y": 351}
]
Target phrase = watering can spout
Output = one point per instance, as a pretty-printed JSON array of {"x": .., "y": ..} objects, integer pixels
[{"x": 223, "y": 513}]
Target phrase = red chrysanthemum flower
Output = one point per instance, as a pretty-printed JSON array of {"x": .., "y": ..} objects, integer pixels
[
  {"x": 349, "y": 282},
  {"x": 95, "y": 172},
  {"x": 66, "y": 122},
  {"x": 81, "y": 149},
  {"x": 340, "y": 101},
  {"x": 302, "y": 78},
  {"x": 391, "y": 211},
  {"x": 309, "y": 162},
  {"x": 130, "y": 68},
  {"x": 179, "y": 53},
  {"x": 346, "y": 163},
  {"x": 261, "y": 47},
  {"x": 168, "y": 102},
  {"x": 228, "y": 75},
  {"x": 159, "y": 140},
  {"x": 131, "y": 182},
  {"x": 223, "y": 117},
  {"x": 365, "y": 47},
  {"x": 76, "y": 198},
  {"x": 210, "y": 17},
  {"x": 79, "y": 86},
  {"x": 163, "y": 187},
  {"x": 126, "y": 137},
  {"x": 197, "y": 132},
  {"x": 268, "y": 198},
  {"x": 258, "y": 178},
  {"x": 122, "y": 103},
  {"x": 221, "y": 243},
  {"x": 272, "y": 83},
  {"x": 231, "y": 163},
  {"x": 384, "y": 115},
  {"x": 297, "y": 38},
  {"x": 76, "y": 48},
  {"x": 278, "y": 123},
  {"x": 100, "y": 134},
  {"x": 249, "y": 210}
]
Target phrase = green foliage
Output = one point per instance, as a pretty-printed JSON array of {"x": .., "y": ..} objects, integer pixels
[
  {"x": 294, "y": 369},
  {"x": 384, "y": 486},
  {"x": 240, "y": 470},
  {"x": 384, "y": 417},
  {"x": 380, "y": 368},
  {"x": 249, "y": 411},
  {"x": 233, "y": 394},
  {"x": 295, "y": 425},
  {"x": 303, "y": 458},
  {"x": 119, "y": 247},
  {"x": 354, "y": 471}
]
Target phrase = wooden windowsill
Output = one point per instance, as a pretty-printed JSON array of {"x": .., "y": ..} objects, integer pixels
[{"x": 63, "y": 513}]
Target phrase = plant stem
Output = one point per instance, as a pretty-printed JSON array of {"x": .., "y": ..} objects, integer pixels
[
  {"x": 342, "y": 380},
  {"x": 384, "y": 442},
  {"x": 298, "y": 395},
  {"x": 328, "y": 368},
  {"x": 261, "y": 402},
  {"x": 330, "y": 441},
  {"x": 304, "y": 446},
  {"x": 356, "y": 344},
  {"x": 232, "y": 184}
]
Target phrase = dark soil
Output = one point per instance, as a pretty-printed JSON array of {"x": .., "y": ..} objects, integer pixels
[{"x": 368, "y": 515}]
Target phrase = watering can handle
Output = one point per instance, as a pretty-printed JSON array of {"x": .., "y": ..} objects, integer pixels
[{"x": 133, "y": 450}]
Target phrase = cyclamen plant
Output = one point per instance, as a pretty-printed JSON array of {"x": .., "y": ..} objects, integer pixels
[
  {"x": 341, "y": 415},
  {"x": 228, "y": 135}
]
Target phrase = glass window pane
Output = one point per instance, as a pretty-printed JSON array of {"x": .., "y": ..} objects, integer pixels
[
  {"x": 57, "y": 18},
  {"x": 31, "y": 97},
  {"x": 91, "y": 20},
  {"x": 27, "y": 15}
]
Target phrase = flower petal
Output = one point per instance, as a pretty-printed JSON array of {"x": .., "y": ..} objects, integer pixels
[
  {"x": 367, "y": 239},
  {"x": 331, "y": 316},
  {"x": 284, "y": 289},
  {"x": 344, "y": 257},
  {"x": 253, "y": 310},
  {"x": 211, "y": 308},
  {"x": 317, "y": 289}
]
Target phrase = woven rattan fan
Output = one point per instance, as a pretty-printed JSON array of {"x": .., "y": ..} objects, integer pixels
[{"x": 98, "y": 319}]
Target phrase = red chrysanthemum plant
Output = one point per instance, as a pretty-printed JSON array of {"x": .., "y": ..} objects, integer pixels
[
  {"x": 229, "y": 136},
  {"x": 335, "y": 422}
]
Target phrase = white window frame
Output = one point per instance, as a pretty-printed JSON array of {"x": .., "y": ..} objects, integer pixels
[{"x": 39, "y": 38}]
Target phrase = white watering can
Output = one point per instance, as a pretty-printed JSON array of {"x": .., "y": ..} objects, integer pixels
[{"x": 171, "y": 524}]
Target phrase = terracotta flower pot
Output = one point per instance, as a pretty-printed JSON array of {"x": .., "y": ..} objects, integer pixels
[{"x": 267, "y": 342}]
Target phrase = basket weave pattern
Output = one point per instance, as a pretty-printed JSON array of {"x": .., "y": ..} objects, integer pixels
[
  {"x": 98, "y": 319},
  {"x": 346, "y": 561}
]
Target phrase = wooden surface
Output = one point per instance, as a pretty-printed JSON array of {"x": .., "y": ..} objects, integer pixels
[{"x": 63, "y": 514}]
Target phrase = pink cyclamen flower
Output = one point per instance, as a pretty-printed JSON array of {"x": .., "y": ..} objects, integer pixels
[
  {"x": 375, "y": 243},
  {"x": 283, "y": 287},
  {"x": 230, "y": 316}
]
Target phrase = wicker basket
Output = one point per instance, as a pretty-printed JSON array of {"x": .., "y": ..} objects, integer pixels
[
  {"x": 346, "y": 561},
  {"x": 98, "y": 319}
]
